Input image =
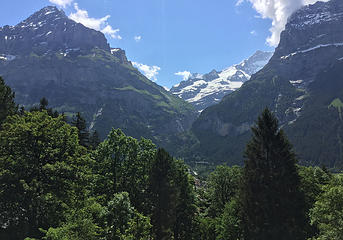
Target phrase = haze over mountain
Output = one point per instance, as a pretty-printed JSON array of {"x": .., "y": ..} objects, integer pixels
[
  {"x": 49, "y": 55},
  {"x": 302, "y": 84},
  {"x": 204, "y": 90}
]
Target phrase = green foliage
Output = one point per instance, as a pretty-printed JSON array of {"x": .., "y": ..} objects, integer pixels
[
  {"x": 219, "y": 210},
  {"x": 273, "y": 206},
  {"x": 139, "y": 228},
  {"x": 163, "y": 195},
  {"x": 123, "y": 221},
  {"x": 327, "y": 213},
  {"x": 207, "y": 228},
  {"x": 337, "y": 103},
  {"x": 54, "y": 189},
  {"x": 81, "y": 223},
  {"x": 40, "y": 166},
  {"x": 312, "y": 181},
  {"x": 43, "y": 106},
  {"x": 230, "y": 226},
  {"x": 119, "y": 212},
  {"x": 223, "y": 185},
  {"x": 7, "y": 105},
  {"x": 171, "y": 198},
  {"x": 123, "y": 164},
  {"x": 99, "y": 80}
]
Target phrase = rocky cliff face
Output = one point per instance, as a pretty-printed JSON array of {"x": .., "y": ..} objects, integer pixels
[
  {"x": 301, "y": 84},
  {"x": 121, "y": 55},
  {"x": 49, "y": 30},
  {"x": 49, "y": 55},
  {"x": 312, "y": 40},
  {"x": 205, "y": 90}
]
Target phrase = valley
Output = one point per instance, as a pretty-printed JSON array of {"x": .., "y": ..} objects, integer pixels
[{"x": 92, "y": 146}]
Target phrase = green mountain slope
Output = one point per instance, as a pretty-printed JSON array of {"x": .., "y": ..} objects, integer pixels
[
  {"x": 302, "y": 85},
  {"x": 92, "y": 79}
]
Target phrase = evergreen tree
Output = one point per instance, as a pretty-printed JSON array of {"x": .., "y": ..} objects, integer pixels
[
  {"x": 163, "y": 196},
  {"x": 185, "y": 207},
  {"x": 43, "y": 104},
  {"x": 80, "y": 123},
  {"x": 272, "y": 203},
  {"x": 172, "y": 198},
  {"x": 94, "y": 140},
  {"x": 7, "y": 105}
]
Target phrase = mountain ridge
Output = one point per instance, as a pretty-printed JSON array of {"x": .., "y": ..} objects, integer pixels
[
  {"x": 77, "y": 71},
  {"x": 204, "y": 90},
  {"x": 286, "y": 86}
]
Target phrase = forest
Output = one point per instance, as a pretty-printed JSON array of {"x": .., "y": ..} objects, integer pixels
[{"x": 59, "y": 182}]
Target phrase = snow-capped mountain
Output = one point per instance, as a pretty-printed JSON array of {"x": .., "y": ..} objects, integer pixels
[
  {"x": 302, "y": 84},
  {"x": 205, "y": 90}
]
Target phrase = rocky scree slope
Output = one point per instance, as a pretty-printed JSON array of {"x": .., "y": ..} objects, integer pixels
[
  {"x": 49, "y": 55},
  {"x": 302, "y": 84},
  {"x": 206, "y": 90}
]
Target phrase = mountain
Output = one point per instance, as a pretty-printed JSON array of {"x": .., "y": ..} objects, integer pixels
[
  {"x": 302, "y": 84},
  {"x": 205, "y": 90},
  {"x": 49, "y": 55}
]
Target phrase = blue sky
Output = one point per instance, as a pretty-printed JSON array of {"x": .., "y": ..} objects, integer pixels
[{"x": 164, "y": 37}]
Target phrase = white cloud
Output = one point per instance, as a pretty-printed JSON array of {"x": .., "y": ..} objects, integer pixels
[
  {"x": 239, "y": 2},
  {"x": 138, "y": 38},
  {"x": 114, "y": 33},
  {"x": 253, "y": 32},
  {"x": 185, "y": 74},
  {"x": 149, "y": 71},
  {"x": 99, "y": 24},
  {"x": 61, "y": 3},
  {"x": 278, "y": 11}
]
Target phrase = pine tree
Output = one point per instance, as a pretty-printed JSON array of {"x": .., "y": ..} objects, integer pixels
[
  {"x": 163, "y": 195},
  {"x": 272, "y": 204},
  {"x": 94, "y": 140},
  {"x": 172, "y": 198},
  {"x": 7, "y": 105},
  {"x": 80, "y": 123},
  {"x": 43, "y": 104}
]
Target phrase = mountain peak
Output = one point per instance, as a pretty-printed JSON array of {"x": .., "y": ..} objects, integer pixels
[
  {"x": 312, "y": 37},
  {"x": 49, "y": 30},
  {"x": 46, "y": 14},
  {"x": 207, "y": 89},
  {"x": 298, "y": 84},
  {"x": 48, "y": 10}
]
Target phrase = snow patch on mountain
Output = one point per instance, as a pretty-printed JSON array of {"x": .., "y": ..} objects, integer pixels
[
  {"x": 315, "y": 14},
  {"x": 204, "y": 90},
  {"x": 319, "y": 18},
  {"x": 6, "y": 57},
  {"x": 312, "y": 49}
]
